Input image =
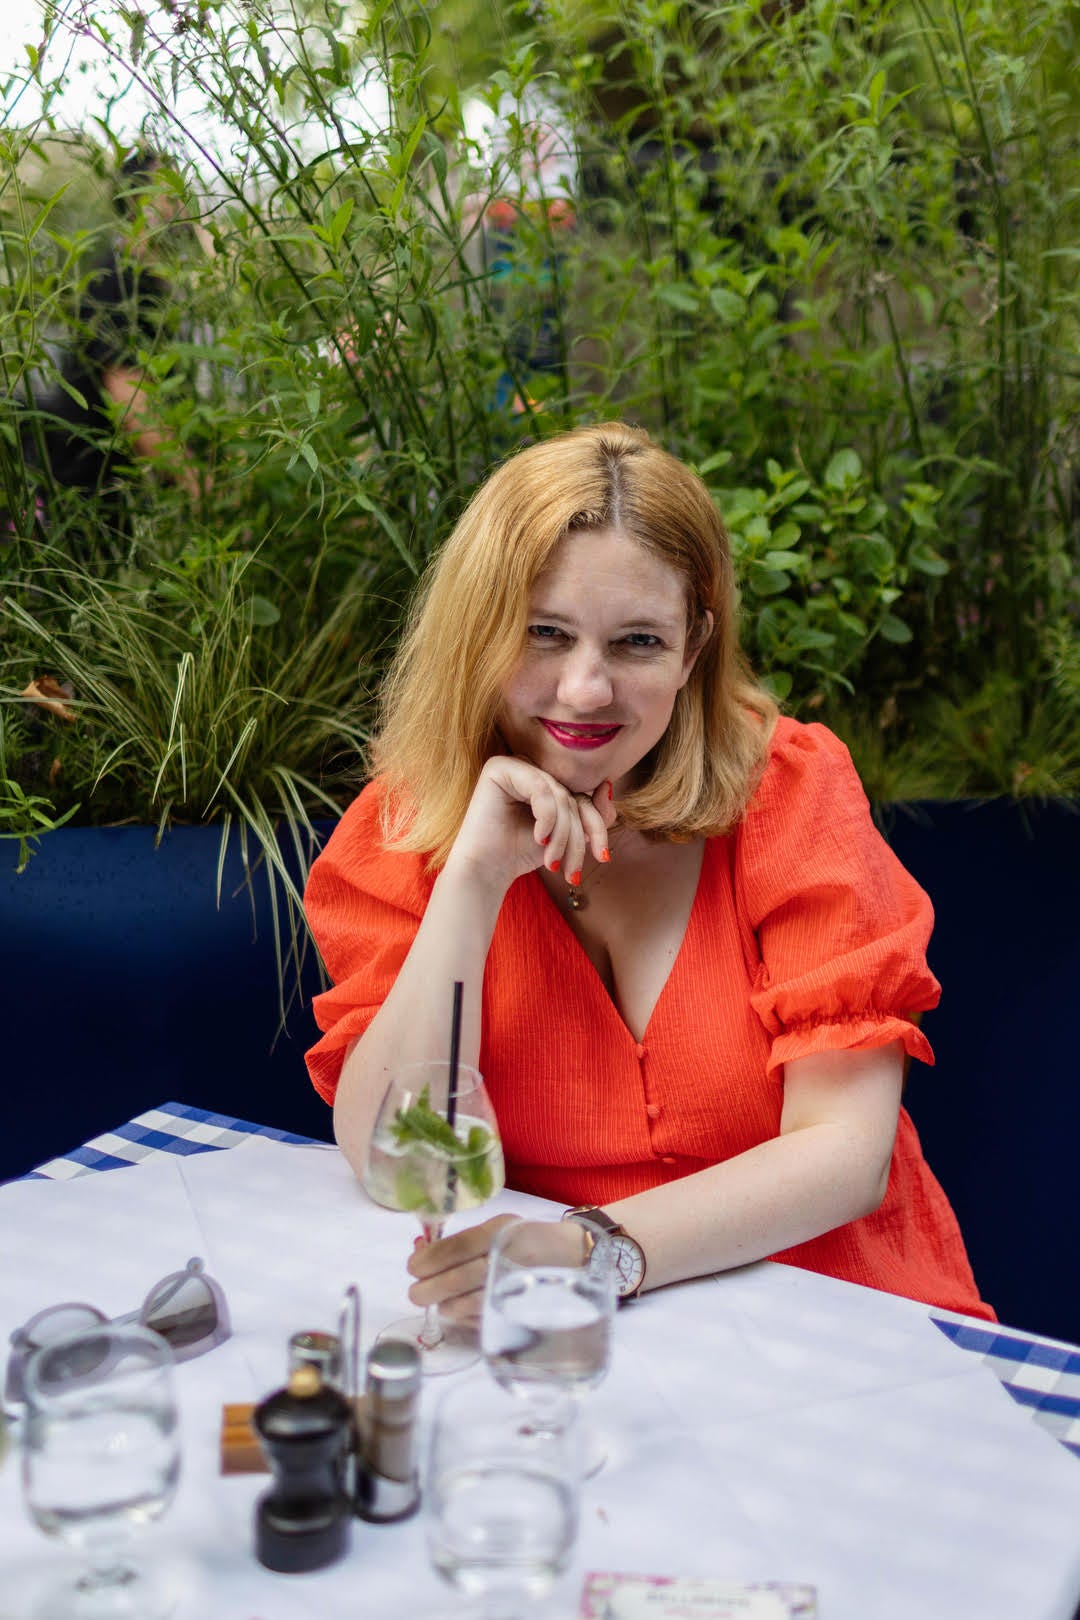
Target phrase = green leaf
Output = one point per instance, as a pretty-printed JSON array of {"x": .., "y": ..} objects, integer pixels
[
  {"x": 928, "y": 561},
  {"x": 778, "y": 682},
  {"x": 895, "y": 630},
  {"x": 785, "y": 535},
  {"x": 70, "y": 389},
  {"x": 679, "y": 295},
  {"x": 844, "y": 470},
  {"x": 263, "y": 612},
  {"x": 728, "y": 305},
  {"x": 769, "y": 582},
  {"x": 340, "y": 222}
]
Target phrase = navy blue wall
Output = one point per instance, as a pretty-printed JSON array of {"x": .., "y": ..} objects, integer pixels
[
  {"x": 121, "y": 987},
  {"x": 999, "y": 1114}
]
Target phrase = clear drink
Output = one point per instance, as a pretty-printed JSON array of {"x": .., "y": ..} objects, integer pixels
[
  {"x": 546, "y": 1326},
  {"x": 502, "y": 1497},
  {"x": 101, "y": 1459},
  {"x": 418, "y": 1177},
  {"x": 501, "y": 1528},
  {"x": 100, "y": 1472}
]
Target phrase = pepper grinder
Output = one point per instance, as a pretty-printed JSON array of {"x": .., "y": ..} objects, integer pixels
[
  {"x": 302, "y": 1521},
  {"x": 388, "y": 1484}
]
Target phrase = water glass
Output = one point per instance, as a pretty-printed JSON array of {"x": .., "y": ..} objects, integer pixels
[
  {"x": 549, "y": 1306},
  {"x": 100, "y": 1461},
  {"x": 502, "y": 1498}
]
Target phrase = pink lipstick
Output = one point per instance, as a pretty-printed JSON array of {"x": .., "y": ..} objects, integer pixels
[{"x": 580, "y": 737}]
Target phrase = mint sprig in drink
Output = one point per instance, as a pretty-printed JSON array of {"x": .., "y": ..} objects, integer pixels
[{"x": 421, "y": 1163}]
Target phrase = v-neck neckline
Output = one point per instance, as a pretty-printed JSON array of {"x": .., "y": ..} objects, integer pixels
[{"x": 578, "y": 950}]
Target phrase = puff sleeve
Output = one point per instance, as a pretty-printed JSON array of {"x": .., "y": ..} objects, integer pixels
[
  {"x": 364, "y": 904},
  {"x": 841, "y": 927}
]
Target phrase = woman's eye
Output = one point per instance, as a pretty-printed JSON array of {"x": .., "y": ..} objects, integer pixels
[
  {"x": 545, "y": 632},
  {"x": 642, "y": 639}
]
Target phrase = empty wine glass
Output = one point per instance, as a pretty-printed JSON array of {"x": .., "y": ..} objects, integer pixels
[
  {"x": 434, "y": 1151},
  {"x": 549, "y": 1304},
  {"x": 502, "y": 1500},
  {"x": 100, "y": 1461}
]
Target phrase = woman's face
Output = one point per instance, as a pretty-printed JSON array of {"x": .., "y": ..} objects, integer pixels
[{"x": 606, "y": 652}]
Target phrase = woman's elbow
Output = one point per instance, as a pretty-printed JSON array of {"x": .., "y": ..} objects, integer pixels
[{"x": 874, "y": 1185}]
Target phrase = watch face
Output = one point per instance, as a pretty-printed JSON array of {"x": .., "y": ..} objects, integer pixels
[{"x": 629, "y": 1265}]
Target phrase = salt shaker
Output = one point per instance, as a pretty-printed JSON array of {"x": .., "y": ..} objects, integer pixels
[
  {"x": 388, "y": 1484},
  {"x": 302, "y": 1522}
]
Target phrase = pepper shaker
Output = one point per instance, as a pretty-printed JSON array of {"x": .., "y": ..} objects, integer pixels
[
  {"x": 302, "y": 1522},
  {"x": 388, "y": 1483}
]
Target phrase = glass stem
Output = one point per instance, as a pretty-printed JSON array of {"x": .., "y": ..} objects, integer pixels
[
  {"x": 108, "y": 1568},
  {"x": 431, "y": 1334}
]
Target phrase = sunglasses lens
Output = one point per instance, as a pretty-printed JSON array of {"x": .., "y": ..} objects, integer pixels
[
  {"x": 183, "y": 1310},
  {"x": 61, "y": 1320},
  {"x": 60, "y": 1367}
]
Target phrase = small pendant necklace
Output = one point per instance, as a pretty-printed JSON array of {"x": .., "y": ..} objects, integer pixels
[{"x": 576, "y": 897}]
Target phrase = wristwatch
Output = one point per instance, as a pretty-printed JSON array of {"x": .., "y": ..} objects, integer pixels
[{"x": 629, "y": 1255}]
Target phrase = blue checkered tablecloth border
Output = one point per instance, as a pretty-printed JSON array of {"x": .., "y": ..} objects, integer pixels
[
  {"x": 1043, "y": 1375},
  {"x": 170, "y": 1128}
]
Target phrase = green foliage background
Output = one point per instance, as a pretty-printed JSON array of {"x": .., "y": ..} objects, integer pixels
[{"x": 826, "y": 252}]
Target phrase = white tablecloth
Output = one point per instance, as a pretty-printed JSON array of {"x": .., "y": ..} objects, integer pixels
[{"x": 767, "y": 1424}]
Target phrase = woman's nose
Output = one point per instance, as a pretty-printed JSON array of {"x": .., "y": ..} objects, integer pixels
[{"x": 584, "y": 681}]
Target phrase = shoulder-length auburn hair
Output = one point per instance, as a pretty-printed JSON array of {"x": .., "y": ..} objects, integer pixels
[{"x": 466, "y": 633}]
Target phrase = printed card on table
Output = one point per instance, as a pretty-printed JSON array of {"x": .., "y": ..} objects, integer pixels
[{"x": 674, "y": 1597}]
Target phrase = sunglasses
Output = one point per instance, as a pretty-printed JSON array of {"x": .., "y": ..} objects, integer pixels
[{"x": 187, "y": 1308}]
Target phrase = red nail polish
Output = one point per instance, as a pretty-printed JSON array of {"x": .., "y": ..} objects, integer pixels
[
  {"x": 605, "y": 854},
  {"x": 575, "y": 879},
  {"x": 546, "y": 840},
  {"x": 555, "y": 865},
  {"x": 611, "y": 790}
]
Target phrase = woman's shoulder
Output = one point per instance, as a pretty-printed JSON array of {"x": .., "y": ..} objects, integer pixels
[
  {"x": 359, "y": 853},
  {"x": 805, "y": 759}
]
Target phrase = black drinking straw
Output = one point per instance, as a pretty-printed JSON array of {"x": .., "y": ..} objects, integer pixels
[
  {"x": 452, "y": 1088},
  {"x": 455, "y": 1050}
]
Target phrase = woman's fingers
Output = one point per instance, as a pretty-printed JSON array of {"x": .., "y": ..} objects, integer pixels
[
  {"x": 597, "y": 816},
  {"x": 565, "y": 824},
  {"x": 452, "y": 1269},
  {"x": 447, "y": 1288}
]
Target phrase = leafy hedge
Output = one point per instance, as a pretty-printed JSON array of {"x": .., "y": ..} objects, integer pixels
[{"x": 825, "y": 252}]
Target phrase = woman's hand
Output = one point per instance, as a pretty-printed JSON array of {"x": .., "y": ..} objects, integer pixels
[
  {"x": 520, "y": 818},
  {"x": 451, "y": 1272}
]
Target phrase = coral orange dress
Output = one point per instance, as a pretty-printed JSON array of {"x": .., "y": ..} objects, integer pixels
[{"x": 806, "y": 934}]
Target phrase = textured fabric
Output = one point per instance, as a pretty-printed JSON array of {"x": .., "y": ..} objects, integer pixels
[{"x": 806, "y": 934}]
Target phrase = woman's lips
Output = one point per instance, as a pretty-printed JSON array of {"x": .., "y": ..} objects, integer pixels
[{"x": 583, "y": 737}]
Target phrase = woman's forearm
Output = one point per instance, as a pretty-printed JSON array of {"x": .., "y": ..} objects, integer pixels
[
  {"x": 782, "y": 1192},
  {"x": 829, "y": 1165},
  {"x": 414, "y": 1021}
]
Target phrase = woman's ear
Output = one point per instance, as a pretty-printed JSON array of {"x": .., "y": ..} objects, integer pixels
[{"x": 700, "y": 631}]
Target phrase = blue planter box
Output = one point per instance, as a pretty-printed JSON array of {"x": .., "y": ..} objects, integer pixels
[{"x": 124, "y": 985}]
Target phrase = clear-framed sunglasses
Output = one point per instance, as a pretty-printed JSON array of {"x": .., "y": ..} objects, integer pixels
[{"x": 187, "y": 1308}]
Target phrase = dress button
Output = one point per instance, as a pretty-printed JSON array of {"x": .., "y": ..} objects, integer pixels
[
  {"x": 640, "y": 1050},
  {"x": 668, "y": 1159},
  {"x": 653, "y": 1110}
]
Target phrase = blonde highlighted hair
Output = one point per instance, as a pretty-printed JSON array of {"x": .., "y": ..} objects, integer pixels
[{"x": 466, "y": 633}]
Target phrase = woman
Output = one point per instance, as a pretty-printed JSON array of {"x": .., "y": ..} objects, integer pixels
[{"x": 690, "y": 962}]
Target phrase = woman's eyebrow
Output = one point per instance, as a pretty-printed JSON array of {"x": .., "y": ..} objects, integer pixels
[{"x": 637, "y": 622}]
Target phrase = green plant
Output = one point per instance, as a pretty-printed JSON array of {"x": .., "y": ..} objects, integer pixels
[{"x": 825, "y": 252}]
